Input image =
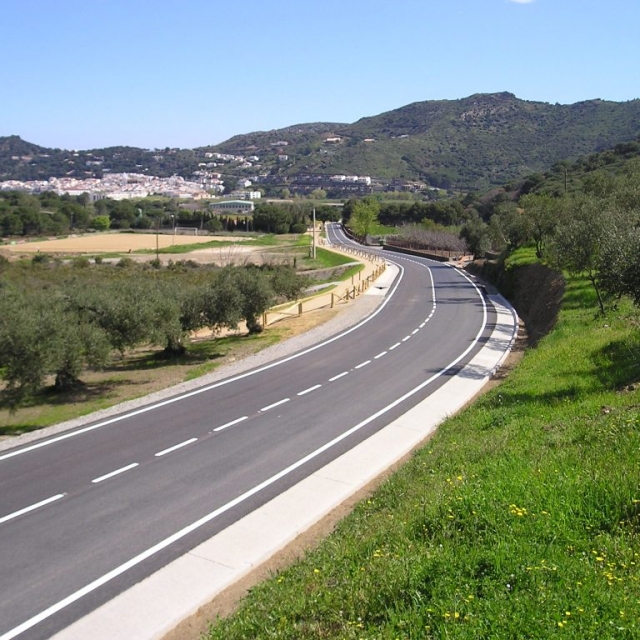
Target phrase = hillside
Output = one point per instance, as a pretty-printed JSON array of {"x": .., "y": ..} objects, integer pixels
[
  {"x": 482, "y": 140},
  {"x": 471, "y": 143},
  {"x": 571, "y": 176},
  {"x": 518, "y": 519}
]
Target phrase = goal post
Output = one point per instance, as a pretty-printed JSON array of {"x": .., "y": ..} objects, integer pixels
[{"x": 186, "y": 231}]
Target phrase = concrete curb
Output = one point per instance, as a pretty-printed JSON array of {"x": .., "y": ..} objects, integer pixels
[{"x": 155, "y": 606}]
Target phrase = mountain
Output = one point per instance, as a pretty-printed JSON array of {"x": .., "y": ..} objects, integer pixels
[
  {"x": 475, "y": 142},
  {"x": 471, "y": 143}
]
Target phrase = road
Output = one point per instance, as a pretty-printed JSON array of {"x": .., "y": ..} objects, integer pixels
[{"x": 88, "y": 513}]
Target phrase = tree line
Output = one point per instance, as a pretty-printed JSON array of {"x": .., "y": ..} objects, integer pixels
[
  {"x": 593, "y": 232},
  {"x": 58, "y": 320}
]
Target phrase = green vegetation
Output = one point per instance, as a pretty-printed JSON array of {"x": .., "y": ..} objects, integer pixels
[
  {"x": 518, "y": 519},
  {"x": 61, "y": 320},
  {"x": 471, "y": 143}
]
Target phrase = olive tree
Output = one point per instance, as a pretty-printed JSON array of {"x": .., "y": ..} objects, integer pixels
[{"x": 579, "y": 240}]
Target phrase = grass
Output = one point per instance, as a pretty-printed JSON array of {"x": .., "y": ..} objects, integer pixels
[
  {"x": 243, "y": 239},
  {"x": 520, "y": 518},
  {"x": 143, "y": 372}
]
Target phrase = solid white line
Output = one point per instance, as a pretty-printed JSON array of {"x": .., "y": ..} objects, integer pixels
[
  {"x": 362, "y": 364},
  {"x": 107, "y": 577},
  {"x": 384, "y": 353},
  {"x": 231, "y": 424},
  {"x": 175, "y": 447},
  {"x": 309, "y": 390},
  {"x": 33, "y": 507},
  {"x": 117, "y": 472},
  {"x": 340, "y": 375},
  {"x": 395, "y": 346},
  {"x": 275, "y": 404},
  {"x": 209, "y": 387}
]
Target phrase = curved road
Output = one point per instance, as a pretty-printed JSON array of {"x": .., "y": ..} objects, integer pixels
[{"x": 86, "y": 514}]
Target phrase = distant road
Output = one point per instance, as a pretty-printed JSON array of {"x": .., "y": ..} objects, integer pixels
[{"x": 88, "y": 513}]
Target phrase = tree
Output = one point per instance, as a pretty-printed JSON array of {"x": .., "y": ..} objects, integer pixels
[
  {"x": 122, "y": 308},
  {"x": 508, "y": 226},
  {"x": 222, "y": 302},
  {"x": 101, "y": 223},
  {"x": 40, "y": 335},
  {"x": 364, "y": 215},
  {"x": 476, "y": 234},
  {"x": 541, "y": 212},
  {"x": 328, "y": 214},
  {"x": 24, "y": 356},
  {"x": 619, "y": 268},
  {"x": 272, "y": 219},
  {"x": 256, "y": 294},
  {"x": 579, "y": 239}
]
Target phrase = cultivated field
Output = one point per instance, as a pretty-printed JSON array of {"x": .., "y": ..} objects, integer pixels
[{"x": 110, "y": 243}]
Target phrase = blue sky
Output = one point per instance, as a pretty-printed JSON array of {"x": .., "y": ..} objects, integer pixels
[{"x": 82, "y": 74}]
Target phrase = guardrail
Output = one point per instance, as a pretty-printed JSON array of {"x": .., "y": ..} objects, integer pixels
[{"x": 329, "y": 300}]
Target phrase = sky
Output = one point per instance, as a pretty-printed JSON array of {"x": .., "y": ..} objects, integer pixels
[{"x": 87, "y": 74}]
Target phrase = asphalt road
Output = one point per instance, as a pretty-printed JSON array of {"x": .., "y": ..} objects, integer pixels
[{"x": 86, "y": 514}]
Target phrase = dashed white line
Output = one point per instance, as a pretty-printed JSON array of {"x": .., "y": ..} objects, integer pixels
[
  {"x": 309, "y": 390},
  {"x": 275, "y": 404},
  {"x": 422, "y": 325},
  {"x": 231, "y": 424},
  {"x": 33, "y": 507},
  {"x": 362, "y": 364},
  {"x": 413, "y": 333},
  {"x": 175, "y": 447},
  {"x": 384, "y": 353},
  {"x": 117, "y": 472},
  {"x": 406, "y": 338},
  {"x": 395, "y": 346},
  {"x": 340, "y": 375}
]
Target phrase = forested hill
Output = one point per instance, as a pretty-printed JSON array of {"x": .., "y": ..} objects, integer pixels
[
  {"x": 471, "y": 143},
  {"x": 475, "y": 142}
]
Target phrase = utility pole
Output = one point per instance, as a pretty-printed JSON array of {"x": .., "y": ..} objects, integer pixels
[{"x": 313, "y": 241}]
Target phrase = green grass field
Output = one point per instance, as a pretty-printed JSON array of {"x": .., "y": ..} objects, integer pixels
[{"x": 519, "y": 519}]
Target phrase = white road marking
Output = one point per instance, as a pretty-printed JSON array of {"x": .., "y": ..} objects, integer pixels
[
  {"x": 163, "y": 544},
  {"x": 362, "y": 364},
  {"x": 33, "y": 507},
  {"x": 413, "y": 333},
  {"x": 395, "y": 346},
  {"x": 384, "y": 353},
  {"x": 175, "y": 447},
  {"x": 275, "y": 404},
  {"x": 422, "y": 325},
  {"x": 215, "y": 385},
  {"x": 340, "y": 375},
  {"x": 309, "y": 390},
  {"x": 117, "y": 472},
  {"x": 231, "y": 424},
  {"x": 406, "y": 338},
  {"x": 74, "y": 597}
]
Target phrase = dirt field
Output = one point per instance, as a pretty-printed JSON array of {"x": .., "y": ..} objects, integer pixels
[{"x": 110, "y": 243}]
